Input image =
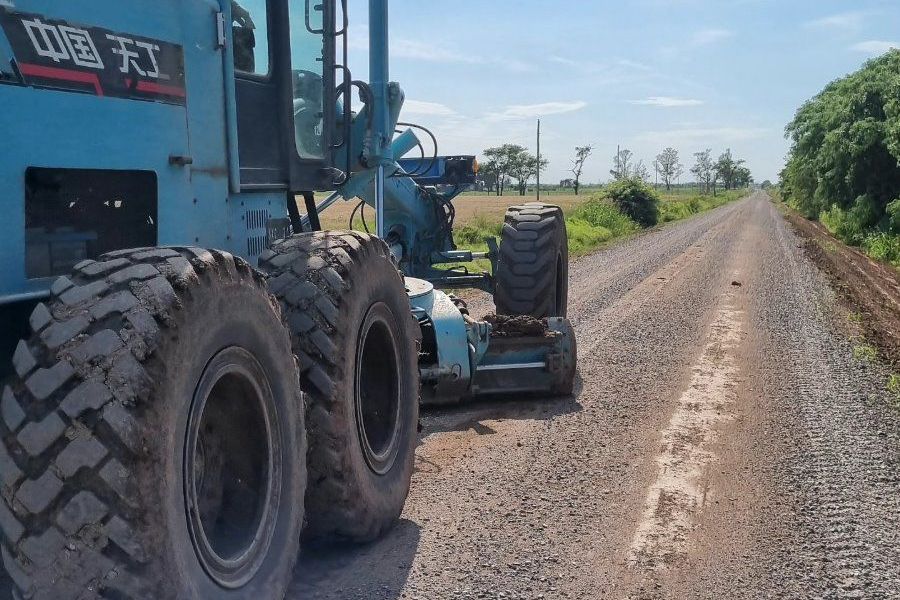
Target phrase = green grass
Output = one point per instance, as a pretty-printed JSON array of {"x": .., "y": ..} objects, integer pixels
[
  {"x": 675, "y": 207},
  {"x": 884, "y": 247},
  {"x": 865, "y": 352},
  {"x": 595, "y": 223},
  {"x": 472, "y": 236},
  {"x": 893, "y": 386}
]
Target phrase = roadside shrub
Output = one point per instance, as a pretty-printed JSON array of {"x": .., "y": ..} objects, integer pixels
[
  {"x": 636, "y": 199},
  {"x": 893, "y": 214},
  {"x": 853, "y": 225},
  {"x": 838, "y": 222},
  {"x": 600, "y": 212},
  {"x": 865, "y": 212},
  {"x": 884, "y": 247}
]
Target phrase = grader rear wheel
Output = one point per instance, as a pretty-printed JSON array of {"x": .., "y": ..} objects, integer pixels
[
  {"x": 153, "y": 441},
  {"x": 356, "y": 342}
]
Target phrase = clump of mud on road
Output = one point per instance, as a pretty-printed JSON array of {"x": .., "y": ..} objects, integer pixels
[
  {"x": 868, "y": 288},
  {"x": 517, "y": 326}
]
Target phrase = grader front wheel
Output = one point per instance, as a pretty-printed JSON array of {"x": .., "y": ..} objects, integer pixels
[{"x": 533, "y": 270}]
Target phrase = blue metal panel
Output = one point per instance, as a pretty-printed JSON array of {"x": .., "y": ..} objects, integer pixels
[
  {"x": 59, "y": 129},
  {"x": 453, "y": 372}
]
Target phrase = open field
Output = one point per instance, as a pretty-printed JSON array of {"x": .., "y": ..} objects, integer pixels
[
  {"x": 468, "y": 208},
  {"x": 477, "y": 215}
]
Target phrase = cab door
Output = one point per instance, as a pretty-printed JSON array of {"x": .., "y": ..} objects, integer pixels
[{"x": 283, "y": 52}]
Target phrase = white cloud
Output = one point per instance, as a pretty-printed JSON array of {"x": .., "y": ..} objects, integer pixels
[
  {"x": 518, "y": 112},
  {"x": 847, "y": 21},
  {"x": 875, "y": 47},
  {"x": 434, "y": 109},
  {"x": 431, "y": 51},
  {"x": 706, "y": 135},
  {"x": 705, "y": 37},
  {"x": 668, "y": 102},
  {"x": 633, "y": 64},
  {"x": 412, "y": 49}
]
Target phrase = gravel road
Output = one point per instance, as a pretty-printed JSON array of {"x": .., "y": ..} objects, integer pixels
[{"x": 723, "y": 441}]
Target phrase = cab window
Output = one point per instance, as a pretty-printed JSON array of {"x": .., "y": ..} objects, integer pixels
[
  {"x": 307, "y": 64},
  {"x": 250, "y": 29}
]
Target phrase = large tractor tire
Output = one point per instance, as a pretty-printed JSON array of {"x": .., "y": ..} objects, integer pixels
[
  {"x": 153, "y": 441},
  {"x": 356, "y": 342},
  {"x": 533, "y": 269}
]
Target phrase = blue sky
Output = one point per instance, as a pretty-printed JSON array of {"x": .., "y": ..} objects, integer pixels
[{"x": 645, "y": 74}]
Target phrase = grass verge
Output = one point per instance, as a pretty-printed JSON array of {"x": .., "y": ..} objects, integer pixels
[
  {"x": 675, "y": 208},
  {"x": 595, "y": 222}
]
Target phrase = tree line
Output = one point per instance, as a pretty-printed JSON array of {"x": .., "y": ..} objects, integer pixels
[
  {"x": 510, "y": 163},
  {"x": 726, "y": 172},
  {"x": 844, "y": 164}
]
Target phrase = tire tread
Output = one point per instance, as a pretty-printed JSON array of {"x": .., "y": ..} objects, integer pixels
[
  {"x": 72, "y": 424},
  {"x": 313, "y": 275},
  {"x": 531, "y": 237}
]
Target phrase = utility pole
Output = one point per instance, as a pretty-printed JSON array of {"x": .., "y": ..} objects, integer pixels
[{"x": 539, "y": 160}]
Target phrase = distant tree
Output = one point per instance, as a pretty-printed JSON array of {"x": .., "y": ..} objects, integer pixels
[
  {"x": 742, "y": 177},
  {"x": 567, "y": 184},
  {"x": 731, "y": 171},
  {"x": 582, "y": 153},
  {"x": 500, "y": 162},
  {"x": 641, "y": 172},
  {"x": 488, "y": 177},
  {"x": 704, "y": 169},
  {"x": 523, "y": 167},
  {"x": 622, "y": 168},
  {"x": 670, "y": 168}
]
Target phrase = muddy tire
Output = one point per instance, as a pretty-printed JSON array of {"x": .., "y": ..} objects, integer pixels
[
  {"x": 356, "y": 343},
  {"x": 150, "y": 442},
  {"x": 533, "y": 269}
]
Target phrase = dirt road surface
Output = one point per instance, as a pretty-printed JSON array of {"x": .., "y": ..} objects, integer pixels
[{"x": 723, "y": 442}]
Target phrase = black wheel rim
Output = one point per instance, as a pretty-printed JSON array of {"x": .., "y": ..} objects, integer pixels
[
  {"x": 232, "y": 467},
  {"x": 378, "y": 389}
]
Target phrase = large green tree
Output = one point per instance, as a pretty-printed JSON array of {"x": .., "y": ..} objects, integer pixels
[{"x": 845, "y": 153}]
